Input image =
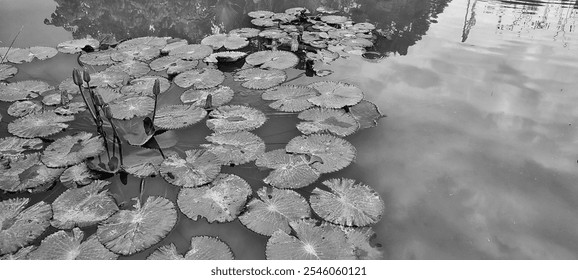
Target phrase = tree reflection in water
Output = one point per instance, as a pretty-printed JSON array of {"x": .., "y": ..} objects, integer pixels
[{"x": 400, "y": 23}]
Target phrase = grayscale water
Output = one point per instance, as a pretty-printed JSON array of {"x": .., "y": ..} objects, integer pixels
[{"x": 477, "y": 158}]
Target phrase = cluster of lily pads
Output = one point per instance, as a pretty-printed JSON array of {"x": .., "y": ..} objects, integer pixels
[{"x": 331, "y": 222}]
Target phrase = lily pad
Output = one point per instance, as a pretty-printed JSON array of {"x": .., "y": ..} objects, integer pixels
[
  {"x": 245, "y": 32},
  {"x": 235, "y": 147},
  {"x": 366, "y": 113},
  {"x": 273, "y": 59},
  {"x": 297, "y": 11},
  {"x": 283, "y": 17},
  {"x": 131, "y": 106},
  {"x": 178, "y": 116},
  {"x": 130, "y": 231},
  {"x": 98, "y": 58},
  {"x": 22, "y": 108},
  {"x": 54, "y": 99},
  {"x": 290, "y": 98},
  {"x": 136, "y": 52},
  {"x": 273, "y": 209},
  {"x": 264, "y": 22},
  {"x": 39, "y": 124},
  {"x": 27, "y": 173},
  {"x": 200, "y": 78},
  {"x": 7, "y": 71},
  {"x": 347, "y": 203},
  {"x": 77, "y": 176},
  {"x": 229, "y": 42},
  {"x": 173, "y": 65},
  {"x": 76, "y": 46},
  {"x": 335, "y": 94},
  {"x": 71, "y": 108},
  {"x": 360, "y": 238},
  {"x": 222, "y": 200},
  {"x": 143, "y": 163},
  {"x": 356, "y": 42},
  {"x": 335, "y": 153},
  {"x": 21, "y": 254},
  {"x": 331, "y": 19},
  {"x": 316, "y": 120},
  {"x": 72, "y": 149},
  {"x": 255, "y": 78},
  {"x": 191, "y": 52},
  {"x": 22, "y": 90},
  {"x": 111, "y": 79},
  {"x": 173, "y": 44},
  {"x": 220, "y": 95},
  {"x": 17, "y": 55},
  {"x": 21, "y": 225},
  {"x": 133, "y": 68},
  {"x": 231, "y": 118},
  {"x": 202, "y": 248},
  {"x": 143, "y": 86},
  {"x": 67, "y": 85},
  {"x": 260, "y": 14},
  {"x": 43, "y": 53},
  {"x": 83, "y": 207},
  {"x": 63, "y": 245},
  {"x": 224, "y": 57},
  {"x": 16, "y": 145},
  {"x": 151, "y": 41},
  {"x": 272, "y": 33},
  {"x": 311, "y": 242},
  {"x": 290, "y": 171},
  {"x": 198, "y": 168}
]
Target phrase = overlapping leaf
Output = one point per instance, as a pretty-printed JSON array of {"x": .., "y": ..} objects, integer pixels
[
  {"x": 316, "y": 120},
  {"x": 290, "y": 98},
  {"x": 22, "y": 108},
  {"x": 16, "y": 145},
  {"x": 21, "y": 225},
  {"x": 229, "y": 42},
  {"x": 202, "y": 248},
  {"x": 220, "y": 95},
  {"x": 22, "y": 90},
  {"x": 72, "y": 149},
  {"x": 27, "y": 173},
  {"x": 255, "y": 78},
  {"x": 172, "y": 64},
  {"x": 98, "y": 58},
  {"x": 245, "y": 32},
  {"x": 131, "y": 106},
  {"x": 133, "y": 68},
  {"x": 200, "y": 78},
  {"x": 335, "y": 94},
  {"x": 39, "y": 124},
  {"x": 178, "y": 116},
  {"x": 143, "y": 86},
  {"x": 273, "y": 59},
  {"x": 231, "y": 118},
  {"x": 334, "y": 153},
  {"x": 7, "y": 71},
  {"x": 191, "y": 52},
  {"x": 76, "y": 46},
  {"x": 71, "y": 108},
  {"x": 235, "y": 147},
  {"x": 63, "y": 245},
  {"x": 77, "y": 176},
  {"x": 289, "y": 171},
  {"x": 198, "y": 168}
]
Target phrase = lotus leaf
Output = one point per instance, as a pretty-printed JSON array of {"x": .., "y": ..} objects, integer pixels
[
  {"x": 273, "y": 33},
  {"x": 290, "y": 98},
  {"x": 360, "y": 239},
  {"x": 21, "y": 225},
  {"x": 71, "y": 108},
  {"x": 200, "y": 167},
  {"x": 7, "y": 71},
  {"x": 77, "y": 176},
  {"x": 202, "y": 248},
  {"x": 173, "y": 65},
  {"x": 222, "y": 200},
  {"x": 290, "y": 171},
  {"x": 173, "y": 44},
  {"x": 133, "y": 68},
  {"x": 22, "y": 254},
  {"x": 334, "y": 19},
  {"x": 264, "y": 22},
  {"x": 235, "y": 147},
  {"x": 366, "y": 113},
  {"x": 22, "y": 108},
  {"x": 273, "y": 59},
  {"x": 27, "y": 173},
  {"x": 22, "y": 90},
  {"x": 39, "y": 124},
  {"x": 178, "y": 116},
  {"x": 112, "y": 79},
  {"x": 131, "y": 106},
  {"x": 260, "y": 14},
  {"x": 273, "y": 209},
  {"x": 347, "y": 203},
  {"x": 98, "y": 57},
  {"x": 230, "y": 42},
  {"x": 310, "y": 242},
  {"x": 231, "y": 118},
  {"x": 63, "y": 245},
  {"x": 220, "y": 95},
  {"x": 335, "y": 94},
  {"x": 245, "y": 32},
  {"x": 76, "y": 46},
  {"x": 130, "y": 231},
  {"x": 143, "y": 86},
  {"x": 16, "y": 145},
  {"x": 334, "y": 121},
  {"x": 192, "y": 52},
  {"x": 255, "y": 78},
  {"x": 72, "y": 149},
  {"x": 200, "y": 78},
  {"x": 335, "y": 153}
]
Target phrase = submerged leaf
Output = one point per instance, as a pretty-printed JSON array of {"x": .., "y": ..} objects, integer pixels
[
  {"x": 178, "y": 116},
  {"x": 290, "y": 98},
  {"x": 360, "y": 239},
  {"x": 230, "y": 42},
  {"x": 22, "y": 90},
  {"x": 335, "y": 94},
  {"x": 255, "y": 78},
  {"x": 200, "y": 167},
  {"x": 202, "y": 248},
  {"x": 222, "y": 200},
  {"x": 39, "y": 124},
  {"x": 7, "y": 71},
  {"x": 21, "y": 225},
  {"x": 235, "y": 147},
  {"x": 220, "y": 95},
  {"x": 273, "y": 59},
  {"x": 77, "y": 176},
  {"x": 231, "y": 118},
  {"x": 27, "y": 173},
  {"x": 76, "y": 46},
  {"x": 335, "y": 153},
  {"x": 72, "y": 149},
  {"x": 131, "y": 106},
  {"x": 316, "y": 120},
  {"x": 366, "y": 113},
  {"x": 200, "y": 78},
  {"x": 63, "y": 245},
  {"x": 290, "y": 171}
]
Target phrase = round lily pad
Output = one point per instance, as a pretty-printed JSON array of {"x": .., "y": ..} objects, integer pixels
[
  {"x": 72, "y": 149},
  {"x": 335, "y": 94},
  {"x": 76, "y": 46},
  {"x": 220, "y": 95},
  {"x": 111, "y": 79},
  {"x": 222, "y": 200},
  {"x": 331, "y": 19},
  {"x": 131, "y": 106},
  {"x": 198, "y": 168},
  {"x": 16, "y": 145},
  {"x": 43, "y": 53},
  {"x": 347, "y": 203},
  {"x": 230, "y": 118},
  {"x": 178, "y": 116},
  {"x": 71, "y": 108},
  {"x": 273, "y": 209},
  {"x": 83, "y": 207},
  {"x": 235, "y": 147},
  {"x": 22, "y": 90},
  {"x": 77, "y": 176},
  {"x": 224, "y": 57},
  {"x": 334, "y": 153},
  {"x": 290, "y": 171},
  {"x": 39, "y": 124},
  {"x": 200, "y": 78},
  {"x": 191, "y": 52},
  {"x": 130, "y": 231},
  {"x": 17, "y": 55},
  {"x": 7, "y": 71},
  {"x": 143, "y": 86},
  {"x": 260, "y": 14},
  {"x": 273, "y": 59},
  {"x": 133, "y": 68},
  {"x": 136, "y": 52},
  {"x": 290, "y": 98},
  {"x": 229, "y": 42},
  {"x": 98, "y": 58},
  {"x": 202, "y": 248},
  {"x": 255, "y": 78},
  {"x": 311, "y": 242},
  {"x": 245, "y": 32},
  {"x": 27, "y": 173},
  {"x": 272, "y": 33},
  {"x": 366, "y": 113},
  {"x": 22, "y": 108},
  {"x": 283, "y": 17},
  {"x": 264, "y": 22},
  {"x": 173, "y": 65},
  {"x": 21, "y": 225},
  {"x": 63, "y": 245},
  {"x": 151, "y": 41},
  {"x": 316, "y": 120}
]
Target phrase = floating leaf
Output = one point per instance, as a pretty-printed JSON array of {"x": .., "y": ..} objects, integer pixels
[
  {"x": 333, "y": 19},
  {"x": 360, "y": 239},
  {"x": 224, "y": 57},
  {"x": 72, "y": 149},
  {"x": 290, "y": 171},
  {"x": 366, "y": 113},
  {"x": 255, "y": 78},
  {"x": 245, "y": 32},
  {"x": 112, "y": 79},
  {"x": 347, "y": 203},
  {"x": 297, "y": 11},
  {"x": 67, "y": 85},
  {"x": 178, "y": 116},
  {"x": 98, "y": 58},
  {"x": 143, "y": 163},
  {"x": 202, "y": 248},
  {"x": 220, "y": 95},
  {"x": 230, "y": 42},
  {"x": 71, "y": 108},
  {"x": 131, "y": 106},
  {"x": 200, "y": 167},
  {"x": 364, "y": 26},
  {"x": 283, "y": 17},
  {"x": 27, "y": 173},
  {"x": 77, "y": 176},
  {"x": 356, "y": 42},
  {"x": 174, "y": 65},
  {"x": 335, "y": 153},
  {"x": 76, "y": 46},
  {"x": 232, "y": 118},
  {"x": 17, "y": 55},
  {"x": 222, "y": 200},
  {"x": 22, "y": 254},
  {"x": 173, "y": 44},
  {"x": 200, "y": 78},
  {"x": 133, "y": 68},
  {"x": 158, "y": 42},
  {"x": 130, "y": 231},
  {"x": 136, "y": 52},
  {"x": 16, "y": 145},
  {"x": 43, "y": 53},
  {"x": 273, "y": 209},
  {"x": 271, "y": 33},
  {"x": 143, "y": 86},
  {"x": 22, "y": 108},
  {"x": 191, "y": 52},
  {"x": 39, "y": 124},
  {"x": 22, "y": 90},
  {"x": 290, "y": 98},
  {"x": 54, "y": 99},
  {"x": 335, "y": 94},
  {"x": 235, "y": 147},
  {"x": 318, "y": 120},
  {"x": 21, "y": 225},
  {"x": 7, "y": 71},
  {"x": 264, "y": 22},
  {"x": 63, "y": 245},
  {"x": 310, "y": 242},
  {"x": 260, "y": 14},
  {"x": 273, "y": 59},
  {"x": 323, "y": 55}
]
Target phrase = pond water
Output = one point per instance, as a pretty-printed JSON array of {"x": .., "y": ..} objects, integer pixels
[{"x": 476, "y": 159}]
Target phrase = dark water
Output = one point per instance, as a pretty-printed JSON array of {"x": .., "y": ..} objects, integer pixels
[{"x": 477, "y": 157}]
